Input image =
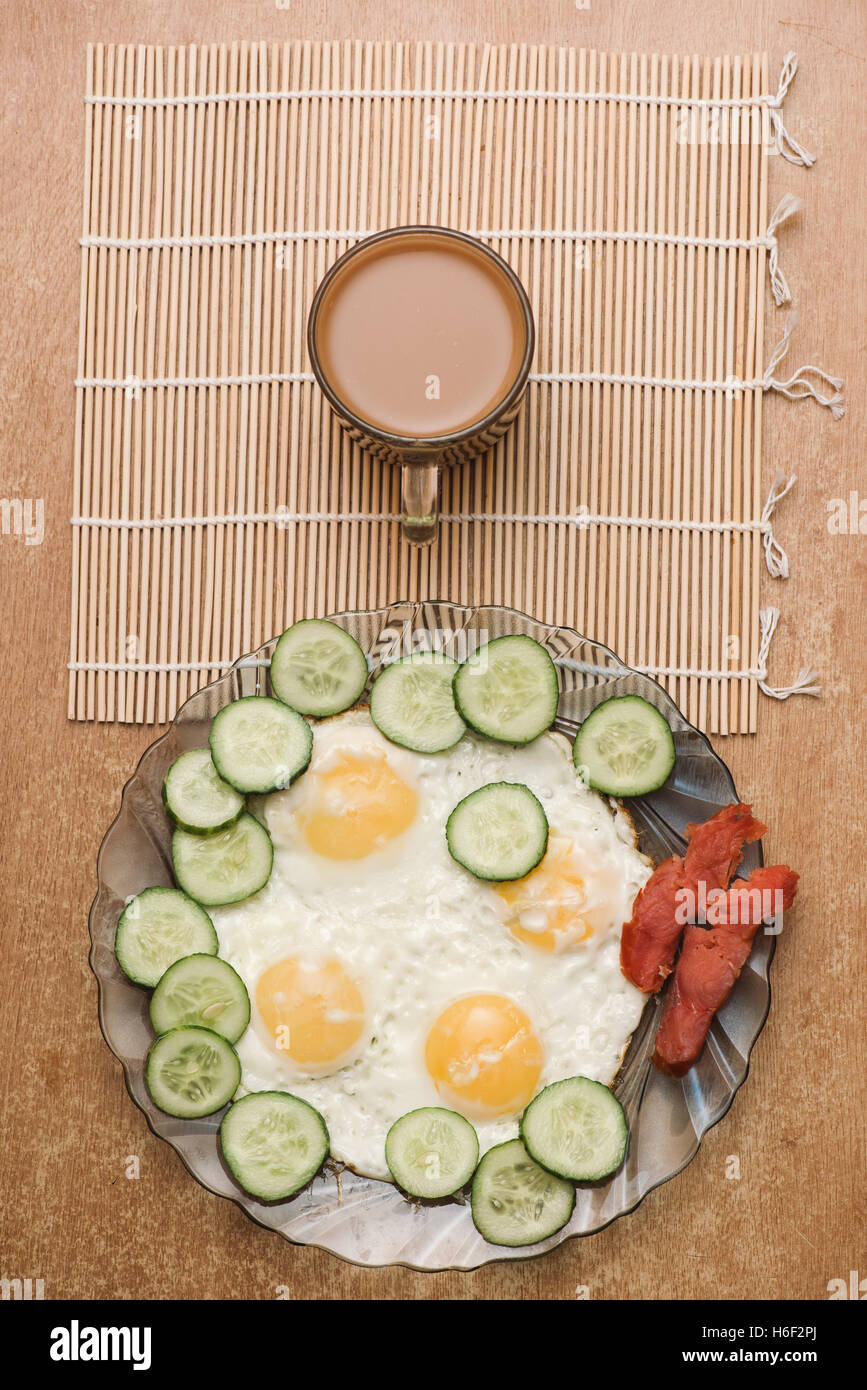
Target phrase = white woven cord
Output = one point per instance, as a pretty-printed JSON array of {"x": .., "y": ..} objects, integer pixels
[
  {"x": 156, "y": 667},
  {"x": 785, "y": 209},
  {"x": 787, "y": 147},
  {"x": 775, "y": 557},
  {"x": 768, "y": 619},
  {"x": 799, "y": 385}
]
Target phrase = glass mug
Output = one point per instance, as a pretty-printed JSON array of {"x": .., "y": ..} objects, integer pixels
[{"x": 421, "y": 339}]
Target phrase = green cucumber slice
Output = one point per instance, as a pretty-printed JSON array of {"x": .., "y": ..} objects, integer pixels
[
  {"x": 260, "y": 745},
  {"x": 517, "y": 1202},
  {"x": 499, "y": 832},
  {"x": 158, "y": 927},
  {"x": 412, "y": 704},
  {"x": 431, "y": 1152},
  {"x": 274, "y": 1143},
  {"x": 192, "y": 1072},
  {"x": 201, "y": 992},
  {"x": 576, "y": 1128},
  {"x": 508, "y": 689},
  {"x": 317, "y": 668},
  {"x": 624, "y": 747},
  {"x": 197, "y": 798},
  {"x": 223, "y": 868}
]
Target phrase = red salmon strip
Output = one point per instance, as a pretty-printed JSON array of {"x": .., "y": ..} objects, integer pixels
[
  {"x": 716, "y": 846},
  {"x": 649, "y": 940},
  {"x": 711, "y": 960}
]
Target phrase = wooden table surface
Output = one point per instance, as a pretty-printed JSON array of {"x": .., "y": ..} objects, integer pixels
[{"x": 70, "y": 1215}]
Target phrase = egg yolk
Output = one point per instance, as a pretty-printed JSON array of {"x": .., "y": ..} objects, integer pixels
[
  {"x": 546, "y": 905},
  {"x": 312, "y": 1013},
  {"x": 357, "y": 806},
  {"x": 483, "y": 1055}
]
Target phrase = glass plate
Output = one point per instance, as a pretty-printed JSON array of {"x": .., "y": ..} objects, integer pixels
[{"x": 369, "y": 1222}]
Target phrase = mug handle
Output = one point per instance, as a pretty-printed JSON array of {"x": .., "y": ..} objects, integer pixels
[{"x": 419, "y": 505}]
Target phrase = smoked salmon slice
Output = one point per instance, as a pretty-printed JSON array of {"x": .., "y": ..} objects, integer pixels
[
  {"x": 716, "y": 846},
  {"x": 712, "y": 958},
  {"x": 649, "y": 940}
]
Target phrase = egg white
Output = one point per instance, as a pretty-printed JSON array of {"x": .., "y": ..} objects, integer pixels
[{"x": 416, "y": 931}]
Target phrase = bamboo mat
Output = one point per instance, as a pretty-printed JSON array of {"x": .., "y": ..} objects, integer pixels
[{"x": 169, "y": 586}]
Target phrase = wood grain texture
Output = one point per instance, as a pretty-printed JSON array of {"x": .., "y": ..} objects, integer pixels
[{"x": 69, "y": 1215}]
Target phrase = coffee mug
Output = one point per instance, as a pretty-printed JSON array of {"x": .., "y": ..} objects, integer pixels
[{"x": 421, "y": 339}]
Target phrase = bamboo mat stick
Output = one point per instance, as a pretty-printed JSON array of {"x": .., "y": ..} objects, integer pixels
[
  {"x": 133, "y": 542},
  {"x": 657, "y": 206},
  {"x": 642, "y": 403},
  {"x": 95, "y": 637},
  {"x": 157, "y": 399},
  {"x": 206, "y": 403},
  {"x": 624, "y": 294},
  {"x": 182, "y": 594},
  {"x": 738, "y": 301},
  {"x": 757, "y": 348},
  {"x": 680, "y": 579},
  {"x": 121, "y": 477}
]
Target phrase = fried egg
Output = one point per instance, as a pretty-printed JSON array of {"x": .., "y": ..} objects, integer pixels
[{"x": 383, "y": 976}]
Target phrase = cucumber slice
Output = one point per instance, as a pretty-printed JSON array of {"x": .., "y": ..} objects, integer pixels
[
  {"x": 624, "y": 747},
  {"x": 156, "y": 929},
  {"x": 192, "y": 1072},
  {"x": 197, "y": 798},
  {"x": 508, "y": 690},
  {"x": 517, "y": 1202},
  {"x": 260, "y": 745},
  {"x": 431, "y": 1152},
  {"x": 577, "y": 1129},
  {"x": 274, "y": 1143},
  {"x": 223, "y": 868},
  {"x": 411, "y": 703},
  {"x": 201, "y": 992},
  {"x": 317, "y": 668},
  {"x": 499, "y": 832}
]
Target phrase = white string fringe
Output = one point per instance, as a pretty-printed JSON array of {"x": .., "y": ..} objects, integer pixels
[
  {"x": 785, "y": 144},
  {"x": 806, "y": 682},
  {"x": 786, "y": 208},
  {"x": 807, "y": 380},
  {"x": 768, "y": 619},
  {"x": 776, "y": 558}
]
